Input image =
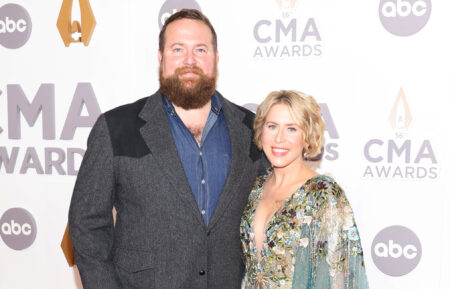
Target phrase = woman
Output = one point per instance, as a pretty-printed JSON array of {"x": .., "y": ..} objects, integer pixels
[{"x": 297, "y": 230}]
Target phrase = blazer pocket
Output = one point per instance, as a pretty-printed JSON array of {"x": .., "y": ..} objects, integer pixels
[{"x": 135, "y": 268}]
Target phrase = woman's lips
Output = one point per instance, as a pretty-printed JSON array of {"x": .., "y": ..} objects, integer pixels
[{"x": 279, "y": 152}]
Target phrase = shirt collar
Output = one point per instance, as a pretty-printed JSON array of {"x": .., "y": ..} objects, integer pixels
[{"x": 216, "y": 105}]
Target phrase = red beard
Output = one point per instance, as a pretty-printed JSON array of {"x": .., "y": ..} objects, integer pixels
[{"x": 188, "y": 92}]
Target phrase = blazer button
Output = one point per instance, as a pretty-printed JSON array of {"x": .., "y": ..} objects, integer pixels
[{"x": 201, "y": 272}]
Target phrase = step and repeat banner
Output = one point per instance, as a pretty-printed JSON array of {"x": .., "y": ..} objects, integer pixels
[{"x": 379, "y": 69}]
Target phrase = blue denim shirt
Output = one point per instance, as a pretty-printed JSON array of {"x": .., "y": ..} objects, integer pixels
[{"x": 206, "y": 166}]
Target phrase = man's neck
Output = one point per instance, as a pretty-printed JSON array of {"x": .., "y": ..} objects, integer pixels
[{"x": 194, "y": 119}]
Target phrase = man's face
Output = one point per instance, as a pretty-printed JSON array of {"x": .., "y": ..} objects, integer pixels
[
  {"x": 188, "y": 43},
  {"x": 188, "y": 64}
]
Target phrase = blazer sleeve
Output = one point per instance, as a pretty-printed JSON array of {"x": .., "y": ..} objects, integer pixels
[{"x": 91, "y": 224}]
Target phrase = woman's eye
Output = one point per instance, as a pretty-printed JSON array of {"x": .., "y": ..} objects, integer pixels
[
  {"x": 292, "y": 129},
  {"x": 271, "y": 126}
]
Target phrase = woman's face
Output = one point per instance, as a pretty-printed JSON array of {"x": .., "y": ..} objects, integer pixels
[{"x": 282, "y": 138}]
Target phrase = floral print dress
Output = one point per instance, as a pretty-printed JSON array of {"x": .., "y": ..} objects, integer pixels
[{"x": 311, "y": 242}]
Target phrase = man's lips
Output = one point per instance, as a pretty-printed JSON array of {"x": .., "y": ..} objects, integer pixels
[
  {"x": 189, "y": 74},
  {"x": 279, "y": 152}
]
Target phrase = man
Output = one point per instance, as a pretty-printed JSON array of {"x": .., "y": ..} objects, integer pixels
[{"x": 177, "y": 166}]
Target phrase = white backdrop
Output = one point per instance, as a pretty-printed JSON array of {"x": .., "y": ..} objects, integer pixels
[{"x": 379, "y": 69}]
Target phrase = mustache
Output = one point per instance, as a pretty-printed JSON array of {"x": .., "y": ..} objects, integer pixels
[{"x": 186, "y": 69}]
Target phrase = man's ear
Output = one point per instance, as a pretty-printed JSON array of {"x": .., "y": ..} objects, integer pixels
[{"x": 159, "y": 56}]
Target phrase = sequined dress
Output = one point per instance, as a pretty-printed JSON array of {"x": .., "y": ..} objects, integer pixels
[{"x": 311, "y": 242}]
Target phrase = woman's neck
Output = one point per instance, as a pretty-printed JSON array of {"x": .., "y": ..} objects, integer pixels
[{"x": 287, "y": 176}]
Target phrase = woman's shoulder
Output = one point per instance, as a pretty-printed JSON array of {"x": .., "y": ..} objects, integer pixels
[
  {"x": 323, "y": 189},
  {"x": 258, "y": 184},
  {"x": 322, "y": 184},
  {"x": 261, "y": 179}
]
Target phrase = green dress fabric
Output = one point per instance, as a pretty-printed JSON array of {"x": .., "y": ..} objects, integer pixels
[{"x": 311, "y": 242}]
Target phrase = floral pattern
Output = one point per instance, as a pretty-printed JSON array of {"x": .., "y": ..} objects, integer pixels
[{"x": 311, "y": 242}]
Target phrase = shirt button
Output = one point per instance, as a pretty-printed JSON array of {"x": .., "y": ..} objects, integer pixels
[
  {"x": 203, "y": 182},
  {"x": 203, "y": 212},
  {"x": 201, "y": 153},
  {"x": 201, "y": 272}
]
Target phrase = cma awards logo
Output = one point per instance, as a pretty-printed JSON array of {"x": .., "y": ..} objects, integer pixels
[
  {"x": 404, "y": 17},
  {"x": 68, "y": 28},
  {"x": 288, "y": 36},
  {"x": 329, "y": 150},
  {"x": 82, "y": 112},
  {"x": 400, "y": 158},
  {"x": 396, "y": 250},
  {"x": 15, "y": 26},
  {"x": 172, "y": 6},
  {"x": 18, "y": 228}
]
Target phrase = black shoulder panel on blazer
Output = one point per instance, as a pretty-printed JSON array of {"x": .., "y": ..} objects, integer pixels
[
  {"x": 249, "y": 116},
  {"x": 255, "y": 154},
  {"x": 124, "y": 124}
]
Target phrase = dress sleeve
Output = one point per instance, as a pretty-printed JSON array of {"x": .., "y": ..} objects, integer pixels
[{"x": 335, "y": 257}]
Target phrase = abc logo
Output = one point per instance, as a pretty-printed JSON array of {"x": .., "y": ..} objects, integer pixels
[
  {"x": 172, "y": 6},
  {"x": 396, "y": 250},
  {"x": 403, "y": 8},
  {"x": 9, "y": 26},
  {"x": 15, "y": 26},
  {"x": 18, "y": 228},
  {"x": 404, "y": 17}
]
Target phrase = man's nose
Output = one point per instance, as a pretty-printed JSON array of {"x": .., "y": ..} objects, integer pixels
[{"x": 189, "y": 58}]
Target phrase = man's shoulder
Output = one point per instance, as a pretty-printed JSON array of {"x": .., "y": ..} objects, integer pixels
[
  {"x": 127, "y": 111},
  {"x": 249, "y": 116},
  {"x": 244, "y": 110},
  {"x": 234, "y": 105},
  {"x": 124, "y": 123}
]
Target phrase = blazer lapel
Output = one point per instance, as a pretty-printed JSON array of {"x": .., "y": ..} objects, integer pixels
[
  {"x": 158, "y": 137},
  {"x": 240, "y": 131}
]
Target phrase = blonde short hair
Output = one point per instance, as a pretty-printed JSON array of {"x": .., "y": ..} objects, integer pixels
[{"x": 306, "y": 113}]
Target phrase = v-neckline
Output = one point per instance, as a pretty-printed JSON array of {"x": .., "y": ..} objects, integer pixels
[{"x": 272, "y": 218}]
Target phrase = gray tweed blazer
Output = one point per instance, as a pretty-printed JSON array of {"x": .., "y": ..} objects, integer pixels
[{"x": 159, "y": 239}]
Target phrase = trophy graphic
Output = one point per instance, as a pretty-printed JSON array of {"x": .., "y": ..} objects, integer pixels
[{"x": 67, "y": 27}]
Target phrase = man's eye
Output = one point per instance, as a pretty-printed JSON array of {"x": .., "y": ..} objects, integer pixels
[
  {"x": 177, "y": 50},
  {"x": 201, "y": 50}
]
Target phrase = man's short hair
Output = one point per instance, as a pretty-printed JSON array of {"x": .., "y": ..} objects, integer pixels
[{"x": 186, "y": 14}]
